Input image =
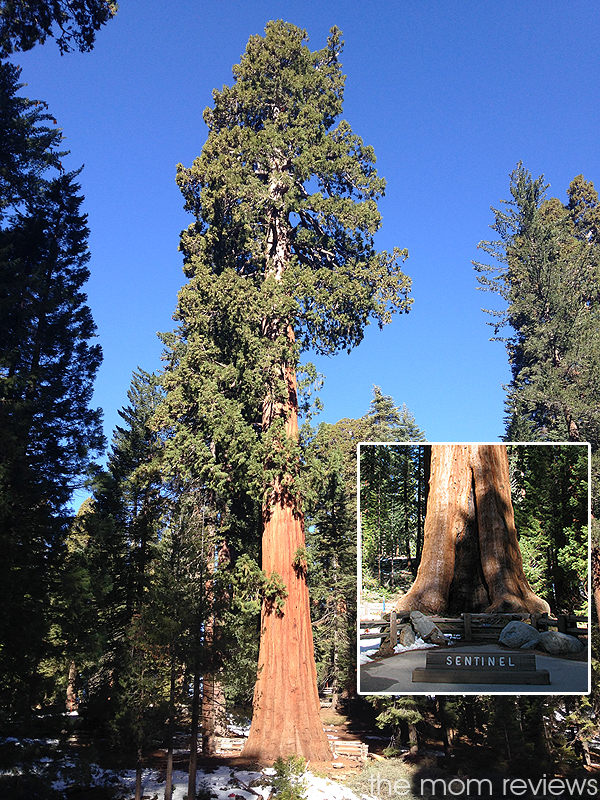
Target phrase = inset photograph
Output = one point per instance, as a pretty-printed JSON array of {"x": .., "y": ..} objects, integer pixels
[{"x": 474, "y": 570}]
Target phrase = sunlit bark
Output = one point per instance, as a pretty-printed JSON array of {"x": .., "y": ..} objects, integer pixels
[
  {"x": 471, "y": 557},
  {"x": 286, "y": 717}
]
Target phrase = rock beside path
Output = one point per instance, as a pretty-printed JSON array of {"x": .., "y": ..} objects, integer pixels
[
  {"x": 426, "y": 629},
  {"x": 557, "y": 643},
  {"x": 519, "y": 635},
  {"x": 406, "y": 636}
]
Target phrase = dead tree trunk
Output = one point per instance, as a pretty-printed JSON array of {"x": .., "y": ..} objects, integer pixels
[{"x": 471, "y": 558}]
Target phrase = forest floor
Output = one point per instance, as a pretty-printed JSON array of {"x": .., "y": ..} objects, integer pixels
[
  {"x": 72, "y": 769},
  {"x": 227, "y": 777}
]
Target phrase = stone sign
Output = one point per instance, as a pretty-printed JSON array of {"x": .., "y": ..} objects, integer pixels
[{"x": 462, "y": 666}]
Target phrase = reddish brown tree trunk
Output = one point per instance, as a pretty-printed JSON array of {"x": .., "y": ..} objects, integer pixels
[
  {"x": 471, "y": 557},
  {"x": 209, "y": 715},
  {"x": 286, "y": 718},
  {"x": 71, "y": 694}
]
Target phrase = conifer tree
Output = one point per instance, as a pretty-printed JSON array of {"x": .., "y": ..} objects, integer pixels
[
  {"x": 280, "y": 259},
  {"x": 29, "y": 145},
  {"x": 48, "y": 432},
  {"x": 550, "y": 498},
  {"x": 25, "y": 23},
  {"x": 331, "y": 567},
  {"x": 388, "y": 423},
  {"x": 389, "y": 507},
  {"x": 547, "y": 270},
  {"x": 126, "y": 517}
]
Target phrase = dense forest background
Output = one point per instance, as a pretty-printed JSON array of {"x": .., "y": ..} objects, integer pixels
[{"x": 128, "y": 612}]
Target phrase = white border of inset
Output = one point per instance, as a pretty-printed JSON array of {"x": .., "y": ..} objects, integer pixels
[{"x": 431, "y": 691}]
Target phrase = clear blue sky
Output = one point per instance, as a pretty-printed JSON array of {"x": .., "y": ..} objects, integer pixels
[{"x": 450, "y": 94}]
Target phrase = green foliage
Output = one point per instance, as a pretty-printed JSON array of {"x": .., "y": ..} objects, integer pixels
[
  {"x": 25, "y": 24},
  {"x": 204, "y": 792},
  {"x": 31, "y": 145},
  {"x": 48, "y": 432},
  {"x": 300, "y": 561},
  {"x": 547, "y": 272},
  {"x": 388, "y": 423},
  {"x": 272, "y": 170},
  {"x": 399, "y": 716},
  {"x": 330, "y": 497},
  {"x": 274, "y": 593},
  {"x": 550, "y": 498},
  {"x": 251, "y": 585},
  {"x": 393, "y": 487},
  {"x": 289, "y": 783}
]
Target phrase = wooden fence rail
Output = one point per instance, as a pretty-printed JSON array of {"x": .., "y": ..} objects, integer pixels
[{"x": 473, "y": 627}]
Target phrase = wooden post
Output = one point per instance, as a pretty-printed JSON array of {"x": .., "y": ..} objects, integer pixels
[
  {"x": 393, "y": 629},
  {"x": 562, "y": 623},
  {"x": 467, "y": 627}
]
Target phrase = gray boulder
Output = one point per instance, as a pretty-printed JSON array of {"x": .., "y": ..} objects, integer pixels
[
  {"x": 560, "y": 643},
  {"x": 519, "y": 635},
  {"x": 406, "y": 636},
  {"x": 426, "y": 629}
]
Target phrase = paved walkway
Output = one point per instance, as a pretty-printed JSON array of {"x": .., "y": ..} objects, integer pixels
[{"x": 393, "y": 675}]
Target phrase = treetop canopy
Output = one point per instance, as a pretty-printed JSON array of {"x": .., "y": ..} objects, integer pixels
[{"x": 277, "y": 183}]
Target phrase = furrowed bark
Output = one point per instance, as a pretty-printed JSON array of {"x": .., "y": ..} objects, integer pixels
[
  {"x": 286, "y": 718},
  {"x": 471, "y": 557}
]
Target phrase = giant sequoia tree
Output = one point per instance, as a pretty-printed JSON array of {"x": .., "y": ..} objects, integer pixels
[
  {"x": 280, "y": 259},
  {"x": 471, "y": 558}
]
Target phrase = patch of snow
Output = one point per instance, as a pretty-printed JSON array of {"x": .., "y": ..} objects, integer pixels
[
  {"x": 224, "y": 782},
  {"x": 241, "y": 727},
  {"x": 366, "y": 658},
  {"x": 418, "y": 645}
]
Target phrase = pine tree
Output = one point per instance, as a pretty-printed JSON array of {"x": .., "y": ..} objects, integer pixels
[
  {"x": 550, "y": 498},
  {"x": 388, "y": 423},
  {"x": 281, "y": 258},
  {"x": 390, "y": 506},
  {"x": 28, "y": 146},
  {"x": 331, "y": 565},
  {"x": 547, "y": 270},
  {"x": 25, "y": 24},
  {"x": 48, "y": 433},
  {"x": 126, "y": 519}
]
